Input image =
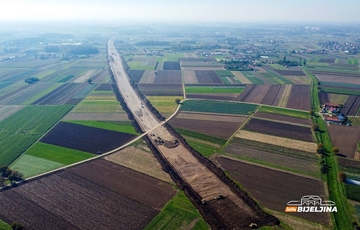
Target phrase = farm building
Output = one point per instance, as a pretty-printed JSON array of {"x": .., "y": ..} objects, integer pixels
[
  {"x": 334, "y": 119},
  {"x": 330, "y": 108}
]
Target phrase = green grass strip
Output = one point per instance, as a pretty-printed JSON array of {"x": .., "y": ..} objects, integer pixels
[
  {"x": 342, "y": 219},
  {"x": 177, "y": 214},
  {"x": 204, "y": 149},
  {"x": 340, "y": 91}
]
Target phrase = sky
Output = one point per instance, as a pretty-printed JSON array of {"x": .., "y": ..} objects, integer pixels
[{"x": 182, "y": 10}]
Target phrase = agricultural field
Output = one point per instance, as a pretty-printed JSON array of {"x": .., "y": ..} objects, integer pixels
[
  {"x": 140, "y": 158},
  {"x": 119, "y": 126},
  {"x": 252, "y": 77},
  {"x": 352, "y": 106},
  {"x": 161, "y": 89},
  {"x": 282, "y": 118},
  {"x": 136, "y": 75},
  {"x": 286, "y": 112},
  {"x": 347, "y": 144},
  {"x": 84, "y": 199},
  {"x": 42, "y": 157},
  {"x": 172, "y": 65},
  {"x": 274, "y": 156},
  {"x": 20, "y": 130},
  {"x": 227, "y": 77},
  {"x": 207, "y": 77},
  {"x": 218, "y": 107},
  {"x": 279, "y": 141},
  {"x": 241, "y": 77},
  {"x": 8, "y": 110},
  {"x": 290, "y": 96},
  {"x": 279, "y": 129},
  {"x": 213, "y": 92},
  {"x": 77, "y": 137},
  {"x": 221, "y": 126},
  {"x": 168, "y": 77},
  {"x": 273, "y": 188},
  {"x": 166, "y": 105},
  {"x": 179, "y": 213}
]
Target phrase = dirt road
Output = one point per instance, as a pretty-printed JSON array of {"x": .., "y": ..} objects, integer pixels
[{"x": 237, "y": 214}]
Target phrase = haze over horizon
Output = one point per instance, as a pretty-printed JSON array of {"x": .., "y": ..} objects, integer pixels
[{"x": 181, "y": 11}]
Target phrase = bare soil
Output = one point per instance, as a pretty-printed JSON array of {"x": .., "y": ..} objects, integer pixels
[
  {"x": 140, "y": 161},
  {"x": 204, "y": 76},
  {"x": 345, "y": 138},
  {"x": 221, "y": 129},
  {"x": 274, "y": 189},
  {"x": 85, "y": 138},
  {"x": 282, "y": 118},
  {"x": 168, "y": 77},
  {"x": 279, "y": 129},
  {"x": 189, "y": 77},
  {"x": 96, "y": 195},
  {"x": 299, "y": 97}
]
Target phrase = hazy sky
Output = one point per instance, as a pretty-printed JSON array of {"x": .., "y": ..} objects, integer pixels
[{"x": 184, "y": 10}]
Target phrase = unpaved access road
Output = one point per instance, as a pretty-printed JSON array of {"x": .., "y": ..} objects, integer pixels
[{"x": 200, "y": 178}]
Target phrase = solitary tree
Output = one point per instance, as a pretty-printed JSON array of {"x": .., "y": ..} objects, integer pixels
[
  {"x": 311, "y": 112},
  {"x": 15, "y": 176},
  {"x": 315, "y": 127},
  {"x": 177, "y": 100},
  {"x": 89, "y": 81},
  {"x": 335, "y": 150},
  {"x": 342, "y": 177}
]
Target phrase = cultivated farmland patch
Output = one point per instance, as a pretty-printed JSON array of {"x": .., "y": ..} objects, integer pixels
[
  {"x": 168, "y": 77},
  {"x": 345, "y": 138},
  {"x": 204, "y": 76},
  {"x": 85, "y": 200},
  {"x": 221, "y": 129},
  {"x": 78, "y": 137},
  {"x": 299, "y": 97},
  {"x": 161, "y": 89},
  {"x": 282, "y": 118},
  {"x": 171, "y": 65},
  {"x": 189, "y": 77},
  {"x": 140, "y": 160},
  {"x": 279, "y": 129},
  {"x": 279, "y": 141},
  {"x": 274, "y": 189},
  {"x": 8, "y": 110},
  {"x": 218, "y": 107}
]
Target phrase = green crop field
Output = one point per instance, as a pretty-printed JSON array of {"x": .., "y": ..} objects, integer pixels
[
  {"x": 249, "y": 75},
  {"x": 214, "y": 89},
  {"x": 278, "y": 67},
  {"x": 178, "y": 214},
  {"x": 203, "y": 148},
  {"x": 97, "y": 106},
  {"x": 57, "y": 154},
  {"x": 32, "y": 166},
  {"x": 164, "y": 104},
  {"x": 141, "y": 65},
  {"x": 40, "y": 94},
  {"x": 201, "y": 136},
  {"x": 225, "y": 74},
  {"x": 218, "y": 107},
  {"x": 124, "y": 127},
  {"x": 288, "y": 112},
  {"x": 23, "y": 128},
  {"x": 352, "y": 192}
]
